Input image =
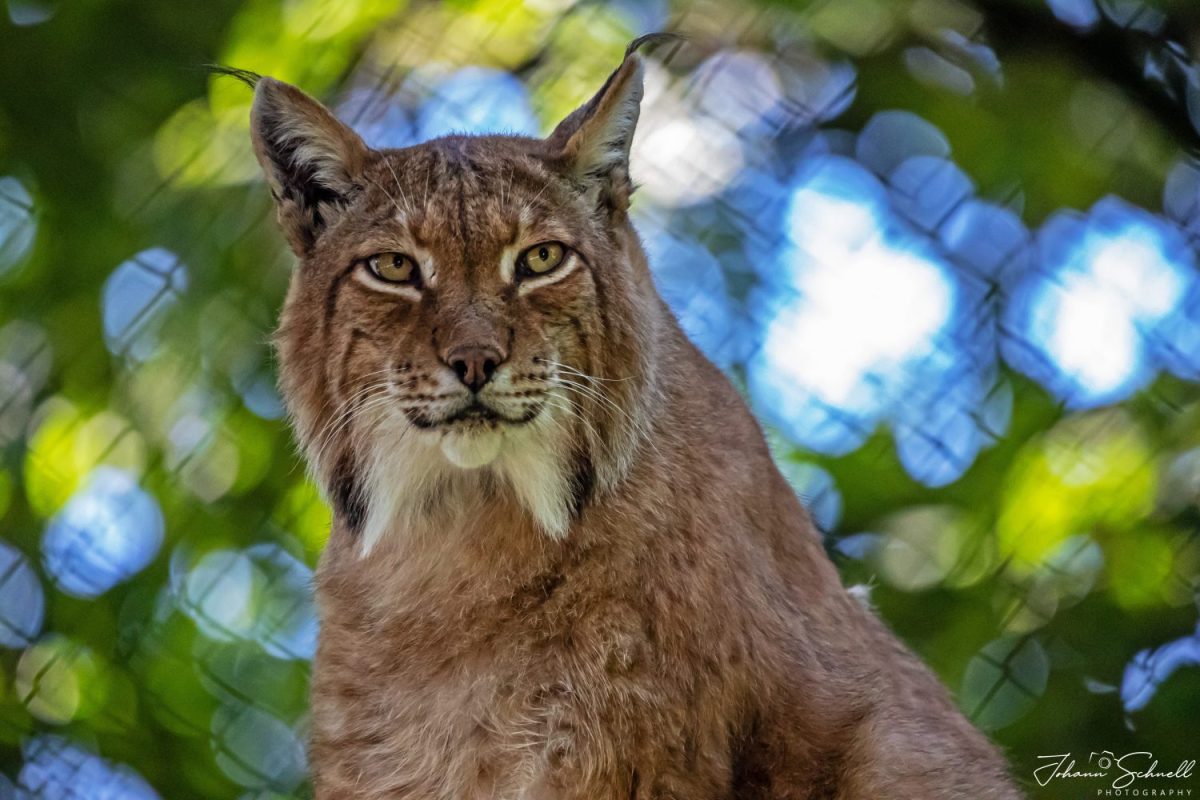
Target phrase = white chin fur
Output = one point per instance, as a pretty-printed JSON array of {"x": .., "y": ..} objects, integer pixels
[
  {"x": 472, "y": 449},
  {"x": 405, "y": 470}
]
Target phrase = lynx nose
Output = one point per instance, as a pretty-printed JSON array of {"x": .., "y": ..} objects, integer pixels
[{"x": 474, "y": 364}]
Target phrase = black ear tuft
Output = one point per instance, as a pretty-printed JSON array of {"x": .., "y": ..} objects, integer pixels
[
  {"x": 653, "y": 40},
  {"x": 247, "y": 77}
]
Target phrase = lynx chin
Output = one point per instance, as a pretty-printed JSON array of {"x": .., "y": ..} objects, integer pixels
[{"x": 563, "y": 564}]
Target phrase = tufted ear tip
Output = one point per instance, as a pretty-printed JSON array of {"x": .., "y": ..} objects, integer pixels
[
  {"x": 271, "y": 95},
  {"x": 653, "y": 40},
  {"x": 594, "y": 141},
  {"x": 265, "y": 88},
  {"x": 246, "y": 76},
  {"x": 266, "y": 91}
]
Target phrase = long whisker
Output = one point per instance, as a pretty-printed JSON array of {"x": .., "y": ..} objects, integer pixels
[
  {"x": 570, "y": 395},
  {"x": 362, "y": 410},
  {"x": 593, "y": 393},
  {"x": 330, "y": 436},
  {"x": 529, "y": 203},
  {"x": 346, "y": 403},
  {"x": 381, "y": 188},
  {"x": 354, "y": 396},
  {"x": 565, "y": 405},
  {"x": 374, "y": 403},
  {"x": 579, "y": 373},
  {"x": 399, "y": 186},
  {"x": 505, "y": 186},
  {"x": 344, "y": 414},
  {"x": 335, "y": 415}
]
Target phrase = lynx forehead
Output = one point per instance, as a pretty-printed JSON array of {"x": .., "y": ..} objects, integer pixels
[{"x": 473, "y": 329}]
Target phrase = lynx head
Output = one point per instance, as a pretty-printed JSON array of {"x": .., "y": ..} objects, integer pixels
[{"x": 470, "y": 318}]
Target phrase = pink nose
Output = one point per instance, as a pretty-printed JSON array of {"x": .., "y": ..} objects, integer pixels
[{"x": 474, "y": 364}]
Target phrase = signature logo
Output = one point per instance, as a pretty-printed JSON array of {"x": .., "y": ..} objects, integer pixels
[{"x": 1121, "y": 772}]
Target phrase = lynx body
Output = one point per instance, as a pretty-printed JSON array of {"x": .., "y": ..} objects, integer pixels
[{"x": 563, "y": 564}]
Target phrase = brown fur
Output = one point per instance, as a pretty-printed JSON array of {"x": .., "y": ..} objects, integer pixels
[{"x": 684, "y": 634}]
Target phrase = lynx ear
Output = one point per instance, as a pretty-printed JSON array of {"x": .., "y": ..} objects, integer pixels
[
  {"x": 594, "y": 140},
  {"x": 314, "y": 164}
]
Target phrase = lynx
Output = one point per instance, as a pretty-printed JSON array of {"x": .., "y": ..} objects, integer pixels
[{"x": 562, "y": 563}]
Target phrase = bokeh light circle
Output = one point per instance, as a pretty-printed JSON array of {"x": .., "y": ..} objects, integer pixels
[{"x": 109, "y": 530}]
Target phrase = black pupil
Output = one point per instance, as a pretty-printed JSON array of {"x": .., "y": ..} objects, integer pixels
[{"x": 544, "y": 253}]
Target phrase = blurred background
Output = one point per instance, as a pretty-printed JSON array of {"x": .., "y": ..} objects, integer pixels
[{"x": 946, "y": 247}]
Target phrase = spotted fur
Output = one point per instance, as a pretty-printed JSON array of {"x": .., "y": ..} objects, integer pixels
[{"x": 595, "y": 584}]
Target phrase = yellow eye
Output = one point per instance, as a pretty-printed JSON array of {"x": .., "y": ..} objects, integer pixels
[
  {"x": 394, "y": 268},
  {"x": 541, "y": 258}
]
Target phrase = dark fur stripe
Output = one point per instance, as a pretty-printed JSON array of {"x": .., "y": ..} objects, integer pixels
[
  {"x": 331, "y": 295},
  {"x": 349, "y": 502},
  {"x": 583, "y": 484}
]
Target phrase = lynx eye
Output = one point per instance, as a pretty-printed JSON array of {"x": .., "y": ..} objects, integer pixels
[
  {"x": 394, "y": 268},
  {"x": 541, "y": 258}
]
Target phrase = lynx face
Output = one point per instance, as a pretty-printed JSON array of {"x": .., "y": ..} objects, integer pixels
[{"x": 464, "y": 318}]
